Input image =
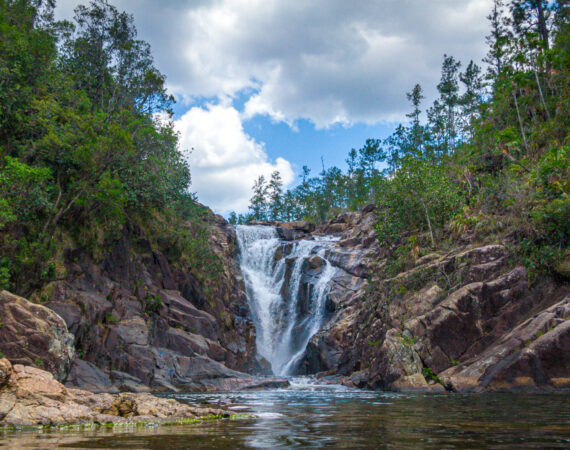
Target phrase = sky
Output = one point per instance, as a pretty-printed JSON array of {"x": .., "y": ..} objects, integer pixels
[{"x": 264, "y": 85}]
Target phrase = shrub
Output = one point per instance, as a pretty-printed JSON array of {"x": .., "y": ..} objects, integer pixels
[{"x": 152, "y": 304}]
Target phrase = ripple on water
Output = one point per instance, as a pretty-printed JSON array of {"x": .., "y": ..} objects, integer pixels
[{"x": 343, "y": 418}]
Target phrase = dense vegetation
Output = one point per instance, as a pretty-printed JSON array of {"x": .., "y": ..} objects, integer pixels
[
  {"x": 492, "y": 156},
  {"x": 88, "y": 151},
  {"x": 87, "y": 148}
]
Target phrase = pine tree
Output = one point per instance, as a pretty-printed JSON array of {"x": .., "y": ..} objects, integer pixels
[
  {"x": 471, "y": 99},
  {"x": 275, "y": 192},
  {"x": 233, "y": 218},
  {"x": 258, "y": 202},
  {"x": 442, "y": 115},
  {"x": 497, "y": 41}
]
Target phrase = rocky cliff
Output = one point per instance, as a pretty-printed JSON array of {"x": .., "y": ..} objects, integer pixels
[
  {"x": 136, "y": 320},
  {"x": 466, "y": 318}
]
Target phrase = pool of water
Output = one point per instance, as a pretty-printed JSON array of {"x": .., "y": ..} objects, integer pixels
[{"x": 309, "y": 415}]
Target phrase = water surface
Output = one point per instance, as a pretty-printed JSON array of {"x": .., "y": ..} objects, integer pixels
[{"x": 312, "y": 416}]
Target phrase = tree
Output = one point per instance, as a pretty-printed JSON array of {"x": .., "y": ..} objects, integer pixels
[
  {"x": 417, "y": 133},
  {"x": 442, "y": 115},
  {"x": 275, "y": 193},
  {"x": 471, "y": 99},
  {"x": 420, "y": 197},
  {"x": 258, "y": 202},
  {"x": 115, "y": 69},
  {"x": 497, "y": 41},
  {"x": 233, "y": 218}
]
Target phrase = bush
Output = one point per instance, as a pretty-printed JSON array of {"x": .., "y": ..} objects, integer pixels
[{"x": 152, "y": 304}]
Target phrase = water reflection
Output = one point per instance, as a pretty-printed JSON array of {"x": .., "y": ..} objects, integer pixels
[{"x": 312, "y": 416}]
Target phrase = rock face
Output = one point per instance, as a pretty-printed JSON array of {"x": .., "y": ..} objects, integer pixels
[
  {"x": 467, "y": 320},
  {"x": 138, "y": 321},
  {"x": 31, "y": 396},
  {"x": 534, "y": 354},
  {"x": 34, "y": 335}
]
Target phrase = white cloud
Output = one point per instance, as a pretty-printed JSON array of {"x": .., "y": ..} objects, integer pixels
[
  {"x": 324, "y": 60},
  {"x": 224, "y": 160},
  {"x": 329, "y": 61}
]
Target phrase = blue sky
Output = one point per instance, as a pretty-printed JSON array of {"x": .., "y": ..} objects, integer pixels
[{"x": 267, "y": 85}]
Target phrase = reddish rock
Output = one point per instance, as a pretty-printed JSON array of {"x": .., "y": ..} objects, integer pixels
[
  {"x": 535, "y": 355},
  {"x": 34, "y": 397},
  {"x": 34, "y": 335}
]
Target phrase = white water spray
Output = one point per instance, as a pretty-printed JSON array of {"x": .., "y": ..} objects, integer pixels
[{"x": 286, "y": 297}]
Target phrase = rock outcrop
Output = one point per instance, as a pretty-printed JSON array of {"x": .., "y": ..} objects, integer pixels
[
  {"x": 30, "y": 396},
  {"x": 34, "y": 335},
  {"x": 137, "y": 321},
  {"x": 464, "y": 320}
]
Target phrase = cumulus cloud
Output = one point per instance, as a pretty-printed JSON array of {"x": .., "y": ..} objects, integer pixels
[
  {"x": 224, "y": 160},
  {"x": 328, "y": 61}
]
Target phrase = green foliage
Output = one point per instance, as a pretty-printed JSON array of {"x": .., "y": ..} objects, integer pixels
[
  {"x": 409, "y": 341},
  {"x": 24, "y": 192},
  {"x": 83, "y": 152},
  {"x": 375, "y": 343},
  {"x": 430, "y": 375},
  {"x": 152, "y": 304},
  {"x": 420, "y": 197},
  {"x": 111, "y": 319},
  {"x": 5, "y": 273},
  {"x": 38, "y": 362}
]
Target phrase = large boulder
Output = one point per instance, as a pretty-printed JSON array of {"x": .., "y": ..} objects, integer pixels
[
  {"x": 535, "y": 355},
  {"x": 33, "y": 396},
  {"x": 32, "y": 334}
]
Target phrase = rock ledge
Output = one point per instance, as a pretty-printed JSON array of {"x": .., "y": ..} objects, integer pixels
[{"x": 33, "y": 397}]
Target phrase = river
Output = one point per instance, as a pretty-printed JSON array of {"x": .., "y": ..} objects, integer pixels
[{"x": 309, "y": 415}]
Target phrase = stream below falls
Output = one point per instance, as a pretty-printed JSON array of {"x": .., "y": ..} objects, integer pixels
[
  {"x": 309, "y": 415},
  {"x": 287, "y": 286}
]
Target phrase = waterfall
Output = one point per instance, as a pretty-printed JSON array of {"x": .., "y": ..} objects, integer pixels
[{"x": 287, "y": 284}]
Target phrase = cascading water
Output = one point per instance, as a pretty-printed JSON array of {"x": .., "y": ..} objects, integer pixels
[{"x": 287, "y": 285}]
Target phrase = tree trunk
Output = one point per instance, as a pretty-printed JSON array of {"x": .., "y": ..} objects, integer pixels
[
  {"x": 520, "y": 122},
  {"x": 542, "y": 29},
  {"x": 540, "y": 91},
  {"x": 428, "y": 223}
]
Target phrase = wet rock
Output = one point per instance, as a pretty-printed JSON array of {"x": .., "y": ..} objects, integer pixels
[
  {"x": 315, "y": 263},
  {"x": 290, "y": 234},
  {"x": 33, "y": 334},
  {"x": 301, "y": 225},
  {"x": 283, "y": 251},
  {"x": 416, "y": 383}
]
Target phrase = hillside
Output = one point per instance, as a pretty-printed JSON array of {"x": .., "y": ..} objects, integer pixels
[{"x": 454, "y": 232}]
